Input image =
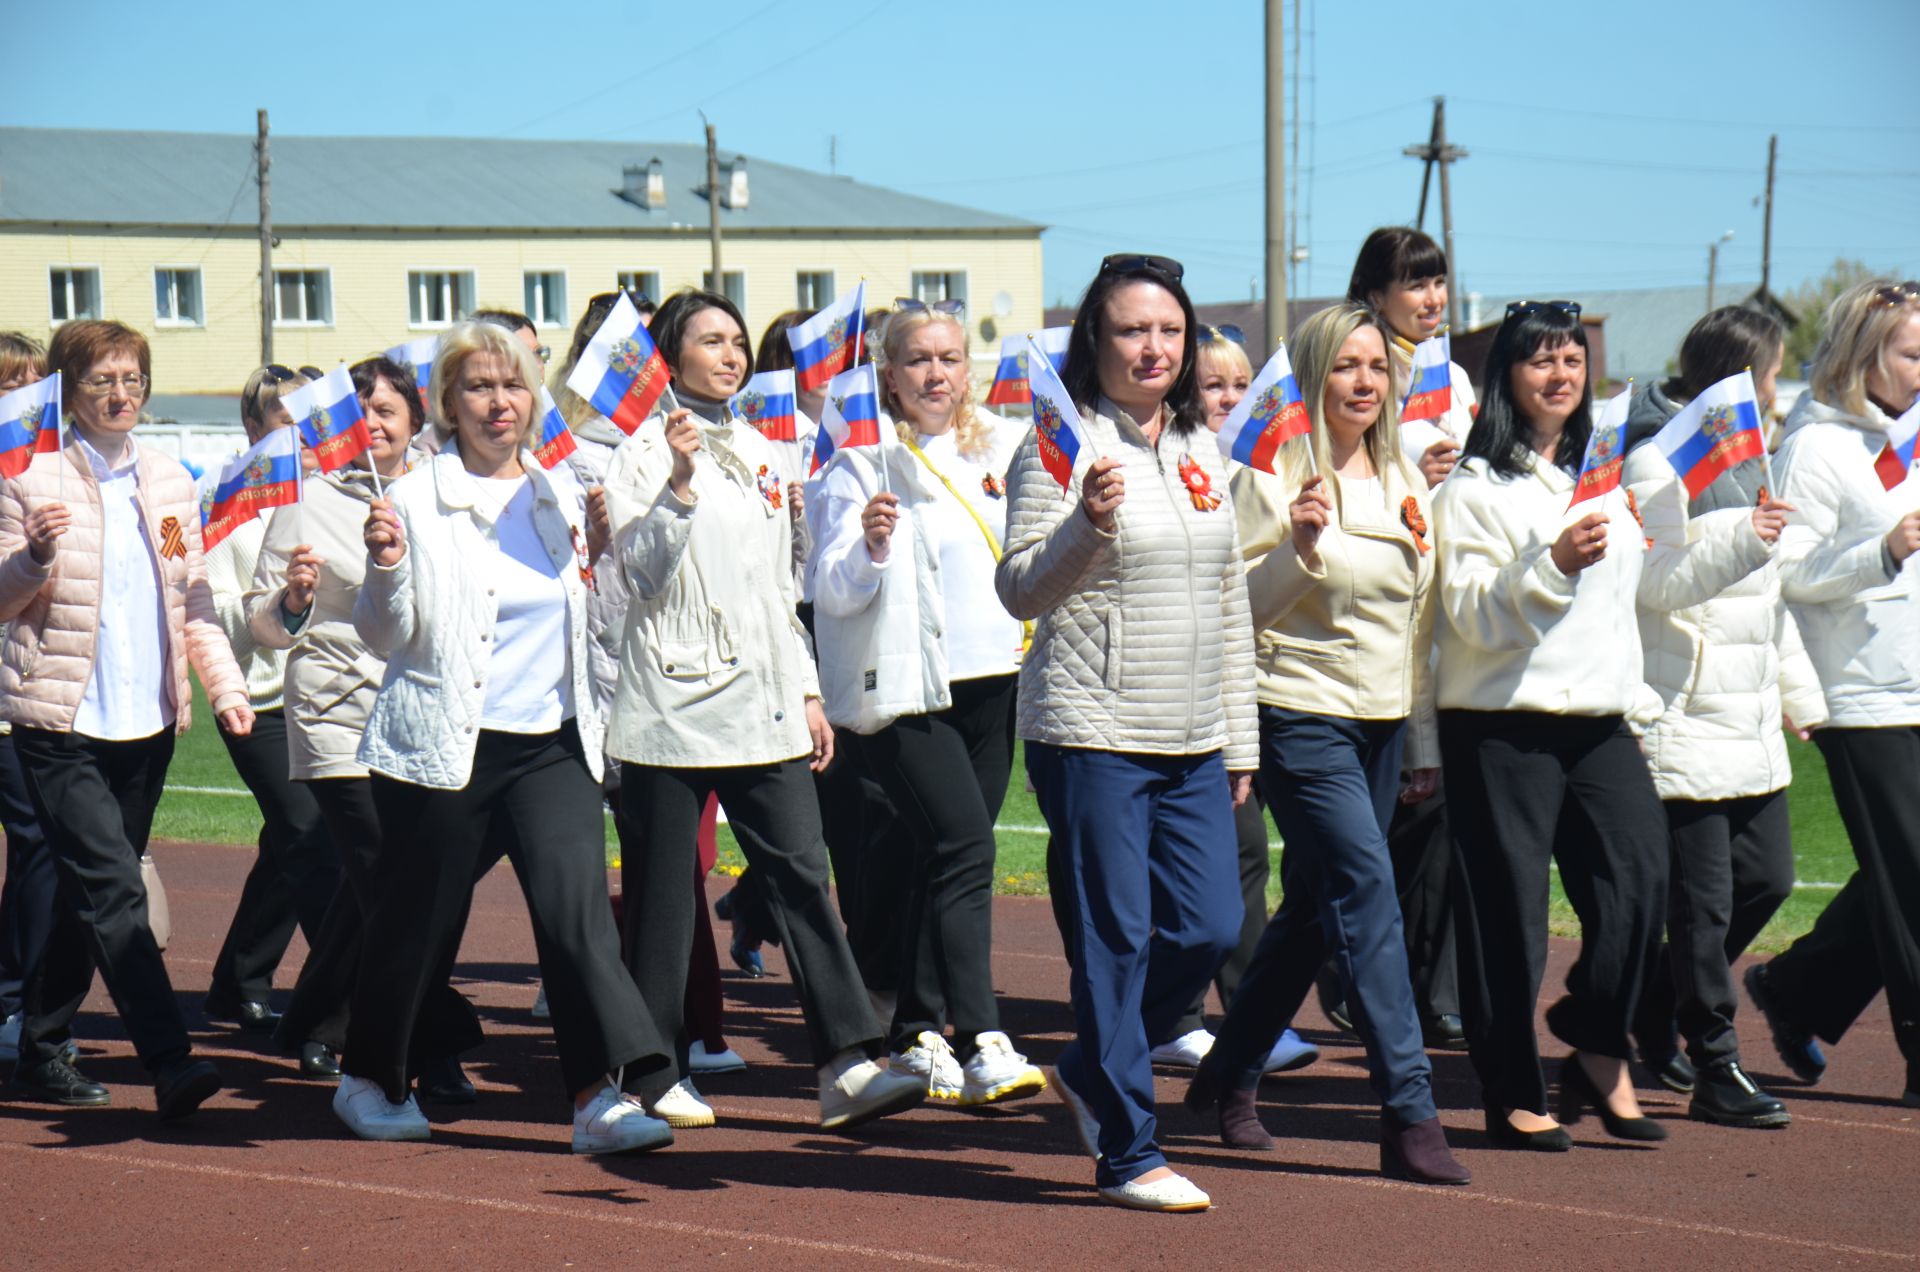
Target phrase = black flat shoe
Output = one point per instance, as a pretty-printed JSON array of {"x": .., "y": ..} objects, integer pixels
[
  {"x": 252, "y": 1017},
  {"x": 442, "y": 1081},
  {"x": 1504, "y": 1134},
  {"x": 1726, "y": 1096},
  {"x": 1333, "y": 1003},
  {"x": 1577, "y": 1092},
  {"x": 56, "y": 1081},
  {"x": 184, "y": 1086},
  {"x": 1445, "y": 1033},
  {"x": 317, "y": 1061},
  {"x": 1675, "y": 1072}
]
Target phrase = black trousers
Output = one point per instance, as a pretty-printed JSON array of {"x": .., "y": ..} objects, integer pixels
[
  {"x": 864, "y": 836},
  {"x": 1524, "y": 787},
  {"x": 1869, "y": 935},
  {"x": 431, "y": 841},
  {"x": 33, "y": 881},
  {"x": 293, "y": 877},
  {"x": 1422, "y": 851},
  {"x": 323, "y": 996},
  {"x": 1732, "y": 867},
  {"x": 773, "y": 813},
  {"x": 1250, "y": 835},
  {"x": 96, "y": 801},
  {"x": 946, "y": 773}
]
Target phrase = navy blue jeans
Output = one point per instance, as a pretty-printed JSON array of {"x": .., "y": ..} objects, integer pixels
[
  {"x": 1331, "y": 784},
  {"x": 1155, "y": 908}
]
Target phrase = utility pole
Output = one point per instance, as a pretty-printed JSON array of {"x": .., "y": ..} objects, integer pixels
[
  {"x": 263, "y": 165},
  {"x": 1437, "y": 151},
  {"x": 713, "y": 209},
  {"x": 1713, "y": 264},
  {"x": 1766, "y": 233},
  {"x": 1276, "y": 175}
]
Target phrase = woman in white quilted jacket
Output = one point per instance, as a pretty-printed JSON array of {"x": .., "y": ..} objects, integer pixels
[
  {"x": 1136, "y": 701},
  {"x": 478, "y": 569},
  {"x": 1848, "y": 573},
  {"x": 918, "y": 663},
  {"x": 1724, "y": 669}
]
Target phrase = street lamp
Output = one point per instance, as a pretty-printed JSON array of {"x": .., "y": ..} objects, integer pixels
[{"x": 1713, "y": 263}]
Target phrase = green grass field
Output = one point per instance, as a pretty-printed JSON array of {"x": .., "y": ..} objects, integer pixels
[{"x": 200, "y": 766}]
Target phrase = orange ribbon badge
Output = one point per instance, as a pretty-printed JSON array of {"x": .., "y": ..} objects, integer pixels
[
  {"x": 1415, "y": 523},
  {"x": 1199, "y": 485},
  {"x": 173, "y": 540}
]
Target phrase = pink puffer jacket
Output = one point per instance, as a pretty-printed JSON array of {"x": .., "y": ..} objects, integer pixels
[{"x": 54, "y": 608}]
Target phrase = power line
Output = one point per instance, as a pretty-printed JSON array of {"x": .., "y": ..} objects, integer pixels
[{"x": 1536, "y": 107}]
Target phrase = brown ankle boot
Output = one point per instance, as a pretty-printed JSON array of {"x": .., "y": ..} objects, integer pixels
[
  {"x": 1240, "y": 1122},
  {"x": 1418, "y": 1153}
]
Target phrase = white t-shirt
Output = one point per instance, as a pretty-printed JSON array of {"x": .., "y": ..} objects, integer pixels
[
  {"x": 528, "y": 688},
  {"x": 982, "y": 638},
  {"x": 127, "y": 695}
]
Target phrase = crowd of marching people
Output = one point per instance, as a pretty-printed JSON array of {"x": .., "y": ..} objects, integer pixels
[{"x": 454, "y": 604}]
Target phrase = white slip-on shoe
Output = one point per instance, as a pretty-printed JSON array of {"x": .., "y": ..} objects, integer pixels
[
  {"x": 682, "y": 1108},
  {"x": 1290, "y": 1052},
  {"x": 1172, "y": 1195},
  {"x": 364, "y": 1107},
  {"x": 997, "y": 1072},
  {"x": 725, "y": 1060},
  {"x": 862, "y": 1091},
  {"x": 540, "y": 1010},
  {"x": 1188, "y": 1050},
  {"x": 931, "y": 1058},
  {"x": 1085, "y": 1125},
  {"x": 616, "y": 1123}
]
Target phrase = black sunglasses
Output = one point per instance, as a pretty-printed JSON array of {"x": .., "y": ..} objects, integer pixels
[
  {"x": 1127, "y": 262},
  {"x": 277, "y": 374},
  {"x": 908, "y": 305},
  {"x": 1898, "y": 294},
  {"x": 1225, "y": 331},
  {"x": 1520, "y": 308}
]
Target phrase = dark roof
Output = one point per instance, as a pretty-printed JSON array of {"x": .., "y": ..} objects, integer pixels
[{"x": 81, "y": 176}]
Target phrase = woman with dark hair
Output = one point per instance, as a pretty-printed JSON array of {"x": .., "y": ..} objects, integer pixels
[
  {"x": 1727, "y": 668},
  {"x": 1136, "y": 702},
  {"x": 1846, "y": 569},
  {"x": 1539, "y": 673},
  {"x": 717, "y": 695}
]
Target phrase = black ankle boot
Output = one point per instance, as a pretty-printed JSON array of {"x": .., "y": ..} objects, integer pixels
[
  {"x": 1418, "y": 1152},
  {"x": 1240, "y": 1121},
  {"x": 1726, "y": 1096}
]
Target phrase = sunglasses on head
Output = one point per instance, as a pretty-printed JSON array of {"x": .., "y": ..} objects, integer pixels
[
  {"x": 949, "y": 308},
  {"x": 1897, "y": 293},
  {"x": 277, "y": 374},
  {"x": 1225, "y": 331},
  {"x": 1520, "y": 308},
  {"x": 1127, "y": 262}
]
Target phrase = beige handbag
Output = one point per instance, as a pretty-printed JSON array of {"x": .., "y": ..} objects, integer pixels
[{"x": 159, "y": 921}]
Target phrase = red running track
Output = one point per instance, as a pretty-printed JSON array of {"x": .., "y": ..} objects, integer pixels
[{"x": 263, "y": 1177}]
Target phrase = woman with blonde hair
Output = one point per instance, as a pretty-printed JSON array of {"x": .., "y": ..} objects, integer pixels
[
  {"x": 918, "y": 660},
  {"x": 1846, "y": 570},
  {"x": 1340, "y": 580}
]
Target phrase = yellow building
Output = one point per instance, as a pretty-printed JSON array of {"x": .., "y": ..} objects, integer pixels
[{"x": 380, "y": 240}]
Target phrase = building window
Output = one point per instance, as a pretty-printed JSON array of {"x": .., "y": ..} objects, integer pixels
[
  {"x": 176, "y": 298},
  {"x": 438, "y": 298},
  {"x": 813, "y": 289},
  {"x": 644, "y": 281},
  {"x": 302, "y": 298},
  {"x": 932, "y": 285},
  {"x": 734, "y": 286},
  {"x": 75, "y": 294},
  {"x": 546, "y": 292}
]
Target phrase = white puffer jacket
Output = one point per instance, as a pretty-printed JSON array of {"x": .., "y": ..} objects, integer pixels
[
  {"x": 1142, "y": 639},
  {"x": 1725, "y": 668},
  {"x": 1856, "y": 613},
  {"x": 432, "y": 615}
]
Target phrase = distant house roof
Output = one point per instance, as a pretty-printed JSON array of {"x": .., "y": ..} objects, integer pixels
[{"x": 88, "y": 177}]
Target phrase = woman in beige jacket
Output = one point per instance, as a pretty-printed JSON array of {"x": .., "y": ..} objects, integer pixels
[
  {"x": 1341, "y": 584},
  {"x": 102, "y": 577}
]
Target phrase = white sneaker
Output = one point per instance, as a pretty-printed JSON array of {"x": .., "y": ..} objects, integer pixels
[
  {"x": 1290, "y": 1052},
  {"x": 997, "y": 1072},
  {"x": 931, "y": 1058},
  {"x": 616, "y": 1123},
  {"x": 725, "y": 1060},
  {"x": 1085, "y": 1125},
  {"x": 1188, "y": 1050},
  {"x": 681, "y": 1107},
  {"x": 540, "y": 1011},
  {"x": 10, "y": 1038},
  {"x": 863, "y": 1091},
  {"x": 364, "y": 1107},
  {"x": 1175, "y": 1194}
]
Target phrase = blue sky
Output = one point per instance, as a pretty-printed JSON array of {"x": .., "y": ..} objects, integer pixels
[{"x": 1608, "y": 144}]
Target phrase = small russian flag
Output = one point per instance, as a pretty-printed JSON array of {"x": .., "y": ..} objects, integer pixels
[
  {"x": 1714, "y": 432},
  {"x": 621, "y": 371},
  {"x": 330, "y": 418},
  {"x": 265, "y": 475},
  {"x": 766, "y": 402},
  {"x": 1270, "y": 414},
  {"x": 1056, "y": 421},
  {"x": 1010, "y": 386},
  {"x": 1893, "y": 463},
  {"x": 1606, "y": 457},
  {"x": 830, "y": 341},
  {"x": 417, "y": 356},
  {"x": 29, "y": 424},
  {"x": 554, "y": 440},
  {"x": 1430, "y": 383}
]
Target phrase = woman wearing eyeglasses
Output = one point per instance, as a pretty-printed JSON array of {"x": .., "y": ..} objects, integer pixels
[
  {"x": 102, "y": 579},
  {"x": 1136, "y": 703},
  {"x": 1846, "y": 569},
  {"x": 718, "y": 695}
]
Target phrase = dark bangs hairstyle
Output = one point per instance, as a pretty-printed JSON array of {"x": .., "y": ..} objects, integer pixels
[
  {"x": 669, "y": 325},
  {"x": 1725, "y": 342},
  {"x": 369, "y": 371},
  {"x": 1082, "y": 377},
  {"x": 776, "y": 354},
  {"x": 1394, "y": 254},
  {"x": 1501, "y": 435}
]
